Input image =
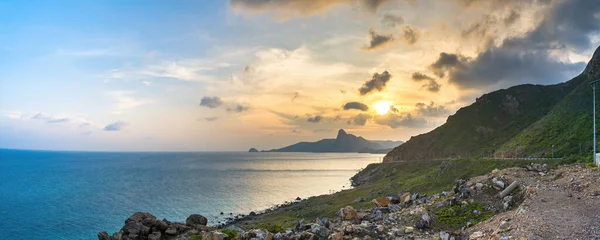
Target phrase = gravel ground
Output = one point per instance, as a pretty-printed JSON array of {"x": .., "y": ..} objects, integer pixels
[{"x": 560, "y": 204}]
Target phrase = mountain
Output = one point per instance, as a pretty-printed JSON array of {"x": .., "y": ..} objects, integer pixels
[
  {"x": 524, "y": 120},
  {"x": 344, "y": 142}
]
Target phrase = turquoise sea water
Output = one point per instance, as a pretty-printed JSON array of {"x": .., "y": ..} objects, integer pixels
[{"x": 74, "y": 195}]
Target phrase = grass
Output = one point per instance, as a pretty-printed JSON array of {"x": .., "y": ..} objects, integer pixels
[
  {"x": 230, "y": 232},
  {"x": 196, "y": 237},
  {"x": 457, "y": 216},
  {"x": 426, "y": 177}
]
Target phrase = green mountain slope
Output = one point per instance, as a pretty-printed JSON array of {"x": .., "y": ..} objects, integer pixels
[
  {"x": 568, "y": 126},
  {"x": 510, "y": 122}
]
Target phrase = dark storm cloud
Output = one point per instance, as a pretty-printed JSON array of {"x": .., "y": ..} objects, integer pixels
[
  {"x": 314, "y": 119},
  {"x": 447, "y": 62},
  {"x": 418, "y": 76},
  {"x": 431, "y": 110},
  {"x": 394, "y": 120},
  {"x": 238, "y": 108},
  {"x": 360, "y": 119},
  {"x": 211, "y": 102},
  {"x": 116, "y": 126},
  {"x": 356, "y": 105},
  {"x": 392, "y": 20},
  {"x": 377, "y": 40},
  {"x": 411, "y": 35},
  {"x": 568, "y": 25},
  {"x": 377, "y": 82}
]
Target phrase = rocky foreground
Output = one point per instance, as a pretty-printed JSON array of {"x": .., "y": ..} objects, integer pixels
[{"x": 514, "y": 203}]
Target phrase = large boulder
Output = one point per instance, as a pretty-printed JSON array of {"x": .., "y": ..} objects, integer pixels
[
  {"x": 215, "y": 235},
  {"x": 195, "y": 220},
  {"x": 103, "y": 236},
  {"x": 348, "y": 213}
]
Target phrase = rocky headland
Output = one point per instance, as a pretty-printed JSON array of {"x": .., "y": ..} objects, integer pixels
[{"x": 530, "y": 202}]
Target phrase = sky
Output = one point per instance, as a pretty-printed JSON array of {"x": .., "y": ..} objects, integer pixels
[{"x": 230, "y": 75}]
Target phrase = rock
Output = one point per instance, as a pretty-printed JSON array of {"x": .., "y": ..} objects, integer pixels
[
  {"x": 381, "y": 202},
  {"x": 495, "y": 171},
  {"x": 444, "y": 236},
  {"x": 196, "y": 219},
  {"x": 394, "y": 207},
  {"x": 405, "y": 198},
  {"x": 358, "y": 200},
  {"x": 103, "y": 236},
  {"x": 252, "y": 214},
  {"x": 260, "y": 234},
  {"x": 154, "y": 236},
  {"x": 252, "y": 150},
  {"x": 117, "y": 236},
  {"x": 215, "y": 235},
  {"x": 479, "y": 186},
  {"x": 498, "y": 184},
  {"x": 424, "y": 222},
  {"x": 393, "y": 199},
  {"x": 161, "y": 225},
  {"x": 414, "y": 196},
  {"x": 171, "y": 231},
  {"x": 476, "y": 235},
  {"x": 409, "y": 230},
  {"x": 348, "y": 213},
  {"x": 319, "y": 230},
  {"x": 234, "y": 227},
  {"x": 337, "y": 236}
]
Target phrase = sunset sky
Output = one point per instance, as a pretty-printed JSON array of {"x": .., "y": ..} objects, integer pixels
[{"x": 230, "y": 75}]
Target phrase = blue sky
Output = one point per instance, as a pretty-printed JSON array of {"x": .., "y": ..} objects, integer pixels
[{"x": 131, "y": 75}]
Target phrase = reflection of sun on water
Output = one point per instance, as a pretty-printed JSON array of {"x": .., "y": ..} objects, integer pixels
[{"x": 382, "y": 107}]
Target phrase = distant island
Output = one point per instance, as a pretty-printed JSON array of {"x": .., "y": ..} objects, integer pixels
[
  {"x": 344, "y": 142},
  {"x": 253, "y": 150}
]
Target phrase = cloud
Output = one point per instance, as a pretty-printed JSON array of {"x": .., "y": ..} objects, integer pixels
[
  {"x": 512, "y": 17},
  {"x": 314, "y": 119},
  {"x": 356, "y": 105},
  {"x": 238, "y": 108},
  {"x": 125, "y": 101},
  {"x": 411, "y": 35},
  {"x": 377, "y": 40},
  {"x": 116, "y": 126},
  {"x": 286, "y": 9},
  {"x": 431, "y": 110},
  {"x": 481, "y": 28},
  {"x": 392, "y": 20},
  {"x": 378, "y": 82},
  {"x": 211, "y": 119},
  {"x": 337, "y": 118},
  {"x": 447, "y": 62},
  {"x": 49, "y": 119},
  {"x": 360, "y": 119},
  {"x": 432, "y": 86},
  {"x": 418, "y": 76},
  {"x": 531, "y": 57},
  {"x": 211, "y": 102},
  {"x": 296, "y": 95},
  {"x": 394, "y": 120}
]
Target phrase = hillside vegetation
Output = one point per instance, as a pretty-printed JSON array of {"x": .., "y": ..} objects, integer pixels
[{"x": 521, "y": 121}]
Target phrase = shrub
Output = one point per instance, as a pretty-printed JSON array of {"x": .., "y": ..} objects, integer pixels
[
  {"x": 272, "y": 227},
  {"x": 231, "y": 233},
  {"x": 196, "y": 237}
]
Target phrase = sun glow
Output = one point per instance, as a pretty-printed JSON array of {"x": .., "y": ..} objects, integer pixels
[{"x": 382, "y": 107}]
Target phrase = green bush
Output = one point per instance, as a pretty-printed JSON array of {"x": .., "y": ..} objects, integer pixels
[
  {"x": 457, "y": 216},
  {"x": 230, "y": 232},
  {"x": 196, "y": 237},
  {"x": 272, "y": 227}
]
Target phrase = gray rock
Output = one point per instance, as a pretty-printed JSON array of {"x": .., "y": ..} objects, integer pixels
[
  {"x": 171, "y": 231},
  {"x": 196, "y": 219},
  {"x": 444, "y": 236},
  {"x": 117, "y": 236},
  {"x": 215, "y": 235},
  {"x": 394, "y": 207},
  {"x": 154, "y": 236},
  {"x": 103, "y": 236},
  {"x": 234, "y": 227}
]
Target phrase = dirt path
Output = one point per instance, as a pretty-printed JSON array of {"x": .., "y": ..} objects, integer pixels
[{"x": 563, "y": 204}]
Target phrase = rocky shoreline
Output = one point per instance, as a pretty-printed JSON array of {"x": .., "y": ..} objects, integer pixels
[{"x": 469, "y": 211}]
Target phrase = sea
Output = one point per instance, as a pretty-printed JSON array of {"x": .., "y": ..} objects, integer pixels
[{"x": 74, "y": 195}]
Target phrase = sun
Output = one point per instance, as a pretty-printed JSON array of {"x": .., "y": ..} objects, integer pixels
[{"x": 382, "y": 107}]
